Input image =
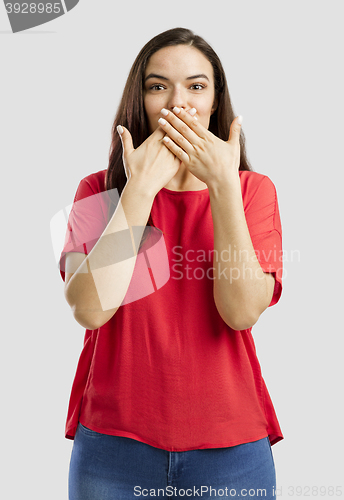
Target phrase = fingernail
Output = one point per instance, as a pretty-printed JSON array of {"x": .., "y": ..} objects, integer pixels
[
  {"x": 162, "y": 121},
  {"x": 192, "y": 111},
  {"x": 164, "y": 111},
  {"x": 240, "y": 119},
  {"x": 119, "y": 129},
  {"x": 176, "y": 110}
]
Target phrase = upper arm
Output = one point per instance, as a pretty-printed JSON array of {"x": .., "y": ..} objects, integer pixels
[
  {"x": 86, "y": 222},
  {"x": 264, "y": 224},
  {"x": 72, "y": 263},
  {"x": 270, "y": 286}
]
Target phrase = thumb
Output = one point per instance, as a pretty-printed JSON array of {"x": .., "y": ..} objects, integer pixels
[
  {"x": 235, "y": 129},
  {"x": 127, "y": 141}
]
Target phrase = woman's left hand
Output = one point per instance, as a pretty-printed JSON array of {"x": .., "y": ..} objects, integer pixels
[{"x": 209, "y": 158}]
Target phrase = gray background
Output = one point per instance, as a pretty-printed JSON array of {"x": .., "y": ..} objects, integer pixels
[{"x": 60, "y": 86}]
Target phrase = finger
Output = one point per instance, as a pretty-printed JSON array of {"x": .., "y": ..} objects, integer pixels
[
  {"x": 234, "y": 132},
  {"x": 176, "y": 136},
  {"x": 176, "y": 150},
  {"x": 127, "y": 141},
  {"x": 186, "y": 124}
]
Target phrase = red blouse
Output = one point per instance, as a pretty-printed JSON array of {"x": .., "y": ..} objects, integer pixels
[{"x": 166, "y": 369}]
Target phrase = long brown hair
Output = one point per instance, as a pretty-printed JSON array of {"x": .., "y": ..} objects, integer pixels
[{"x": 132, "y": 115}]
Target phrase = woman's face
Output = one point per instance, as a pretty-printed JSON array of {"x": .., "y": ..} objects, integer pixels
[{"x": 179, "y": 76}]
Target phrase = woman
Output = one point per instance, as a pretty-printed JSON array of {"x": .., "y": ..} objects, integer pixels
[{"x": 168, "y": 280}]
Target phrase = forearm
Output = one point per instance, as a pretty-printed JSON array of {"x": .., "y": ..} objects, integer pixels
[
  {"x": 241, "y": 288},
  {"x": 99, "y": 285}
]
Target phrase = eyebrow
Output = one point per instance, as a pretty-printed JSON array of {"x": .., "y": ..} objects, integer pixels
[{"x": 154, "y": 75}]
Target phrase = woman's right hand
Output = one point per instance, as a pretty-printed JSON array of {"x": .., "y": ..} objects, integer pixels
[{"x": 152, "y": 165}]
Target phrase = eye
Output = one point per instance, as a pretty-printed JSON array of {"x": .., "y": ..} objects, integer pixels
[
  {"x": 198, "y": 85},
  {"x": 154, "y": 87}
]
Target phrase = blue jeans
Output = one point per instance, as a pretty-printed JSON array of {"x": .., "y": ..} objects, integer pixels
[{"x": 104, "y": 467}]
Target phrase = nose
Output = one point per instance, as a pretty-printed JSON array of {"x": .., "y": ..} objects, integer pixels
[{"x": 177, "y": 99}]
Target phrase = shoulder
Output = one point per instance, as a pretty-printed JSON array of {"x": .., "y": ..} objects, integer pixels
[
  {"x": 91, "y": 184},
  {"x": 254, "y": 184},
  {"x": 252, "y": 179}
]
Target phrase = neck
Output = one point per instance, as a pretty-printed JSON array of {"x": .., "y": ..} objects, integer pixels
[{"x": 184, "y": 180}]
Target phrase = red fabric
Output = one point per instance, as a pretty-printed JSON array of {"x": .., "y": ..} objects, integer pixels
[{"x": 166, "y": 369}]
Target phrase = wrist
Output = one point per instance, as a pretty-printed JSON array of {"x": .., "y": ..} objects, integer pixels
[
  {"x": 141, "y": 190},
  {"x": 230, "y": 184}
]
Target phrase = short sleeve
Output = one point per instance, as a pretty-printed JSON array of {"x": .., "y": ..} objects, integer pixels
[
  {"x": 264, "y": 224},
  {"x": 87, "y": 219}
]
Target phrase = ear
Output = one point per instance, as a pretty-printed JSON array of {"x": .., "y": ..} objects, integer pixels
[{"x": 215, "y": 104}]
